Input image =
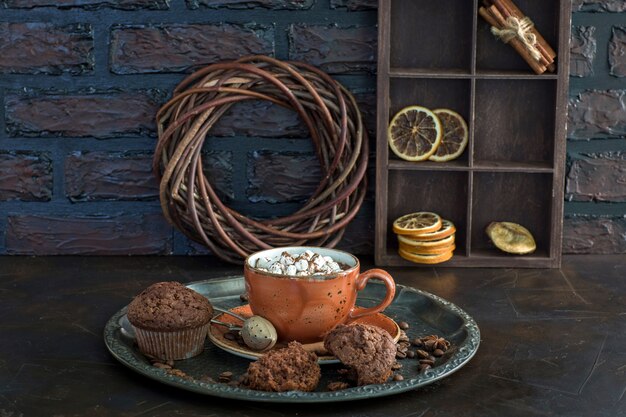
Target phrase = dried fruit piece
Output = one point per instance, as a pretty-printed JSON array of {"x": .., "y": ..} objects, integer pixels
[
  {"x": 425, "y": 259},
  {"x": 454, "y": 137},
  {"x": 511, "y": 238},
  {"x": 413, "y": 244},
  {"x": 447, "y": 229},
  {"x": 417, "y": 223},
  {"x": 414, "y": 133},
  {"x": 413, "y": 250}
]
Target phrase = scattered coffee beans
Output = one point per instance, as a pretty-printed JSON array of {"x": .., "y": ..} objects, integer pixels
[{"x": 403, "y": 325}]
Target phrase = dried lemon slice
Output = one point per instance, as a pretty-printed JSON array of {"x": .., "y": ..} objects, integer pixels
[
  {"x": 454, "y": 138},
  {"x": 425, "y": 259},
  {"x": 417, "y": 223},
  {"x": 447, "y": 229},
  {"x": 414, "y": 133},
  {"x": 511, "y": 237}
]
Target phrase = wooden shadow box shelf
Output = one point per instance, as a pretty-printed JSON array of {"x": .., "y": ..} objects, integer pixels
[{"x": 442, "y": 54}]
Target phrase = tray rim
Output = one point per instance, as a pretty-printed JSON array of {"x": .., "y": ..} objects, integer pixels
[{"x": 466, "y": 350}]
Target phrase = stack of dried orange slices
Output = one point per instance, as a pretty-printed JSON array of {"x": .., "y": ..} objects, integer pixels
[{"x": 424, "y": 237}]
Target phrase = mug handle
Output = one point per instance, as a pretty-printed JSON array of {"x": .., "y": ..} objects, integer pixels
[{"x": 361, "y": 282}]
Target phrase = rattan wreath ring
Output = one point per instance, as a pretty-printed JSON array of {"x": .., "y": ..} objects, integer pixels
[{"x": 333, "y": 119}]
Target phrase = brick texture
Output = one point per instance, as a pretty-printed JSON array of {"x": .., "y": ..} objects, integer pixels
[
  {"x": 599, "y": 5},
  {"x": 366, "y": 101},
  {"x": 180, "y": 48},
  {"x": 617, "y": 52},
  {"x": 597, "y": 114},
  {"x": 25, "y": 176},
  {"x": 335, "y": 49},
  {"x": 582, "y": 51},
  {"x": 218, "y": 169},
  {"x": 354, "y": 5},
  {"x": 43, "y": 48},
  {"x": 594, "y": 235},
  {"x": 279, "y": 177},
  {"x": 87, "y": 4},
  {"x": 43, "y": 113},
  {"x": 597, "y": 177},
  {"x": 252, "y": 4},
  {"x": 259, "y": 119},
  {"x": 110, "y": 176},
  {"x": 123, "y": 234}
]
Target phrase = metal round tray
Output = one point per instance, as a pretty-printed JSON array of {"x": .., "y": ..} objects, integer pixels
[{"x": 425, "y": 313}]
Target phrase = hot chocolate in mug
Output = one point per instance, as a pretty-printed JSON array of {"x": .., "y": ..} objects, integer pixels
[{"x": 305, "y": 308}]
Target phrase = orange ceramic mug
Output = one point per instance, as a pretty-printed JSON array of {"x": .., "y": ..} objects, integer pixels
[{"x": 305, "y": 308}]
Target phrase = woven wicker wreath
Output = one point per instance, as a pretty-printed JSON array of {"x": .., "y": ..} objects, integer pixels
[{"x": 328, "y": 110}]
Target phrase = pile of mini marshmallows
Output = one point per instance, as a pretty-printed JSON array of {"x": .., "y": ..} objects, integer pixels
[{"x": 307, "y": 263}]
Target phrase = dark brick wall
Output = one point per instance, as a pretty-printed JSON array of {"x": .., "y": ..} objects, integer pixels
[
  {"x": 81, "y": 80},
  {"x": 595, "y": 183}
]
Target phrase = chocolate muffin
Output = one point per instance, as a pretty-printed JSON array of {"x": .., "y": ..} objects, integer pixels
[
  {"x": 170, "y": 320},
  {"x": 287, "y": 369},
  {"x": 368, "y": 351}
]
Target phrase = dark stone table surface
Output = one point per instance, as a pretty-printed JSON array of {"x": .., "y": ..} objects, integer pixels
[{"x": 553, "y": 342}]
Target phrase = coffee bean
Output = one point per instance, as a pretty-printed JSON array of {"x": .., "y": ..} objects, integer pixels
[
  {"x": 170, "y": 362},
  {"x": 438, "y": 353},
  {"x": 178, "y": 373},
  {"x": 430, "y": 344},
  {"x": 396, "y": 366},
  {"x": 424, "y": 367},
  {"x": 422, "y": 354},
  {"x": 400, "y": 354},
  {"x": 225, "y": 376},
  {"x": 417, "y": 342},
  {"x": 410, "y": 354},
  {"x": 427, "y": 361},
  {"x": 161, "y": 365},
  {"x": 398, "y": 377}
]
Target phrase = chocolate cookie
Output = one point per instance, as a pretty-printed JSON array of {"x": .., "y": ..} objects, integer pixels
[
  {"x": 369, "y": 351},
  {"x": 288, "y": 369}
]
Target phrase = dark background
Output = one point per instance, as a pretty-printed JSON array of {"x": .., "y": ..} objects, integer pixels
[{"x": 81, "y": 80}]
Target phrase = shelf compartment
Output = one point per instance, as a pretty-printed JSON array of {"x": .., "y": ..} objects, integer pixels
[
  {"x": 522, "y": 198},
  {"x": 514, "y": 121},
  {"x": 445, "y": 194},
  {"x": 454, "y": 94},
  {"x": 422, "y": 30},
  {"x": 493, "y": 54}
]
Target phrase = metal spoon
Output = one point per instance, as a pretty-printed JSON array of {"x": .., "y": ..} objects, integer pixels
[{"x": 257, "y": 332}]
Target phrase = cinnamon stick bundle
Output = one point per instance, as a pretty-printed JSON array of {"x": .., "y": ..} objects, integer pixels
[{"x": 538, "y": 54}]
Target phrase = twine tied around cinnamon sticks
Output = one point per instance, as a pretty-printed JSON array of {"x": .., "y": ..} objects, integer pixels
[
  {"x": 520, "y": 29},
  {"x": 517, "y": 30}
]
